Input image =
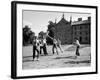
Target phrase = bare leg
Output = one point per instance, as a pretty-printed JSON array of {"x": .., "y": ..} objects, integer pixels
[
  {"x": 37, "y": 54},
  {"x": 53, "y": 48},
  {"x": 56, "y": 49},
  {"x": 60, "y": 48}
]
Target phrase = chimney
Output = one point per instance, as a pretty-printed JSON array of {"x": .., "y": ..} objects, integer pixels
[
  {"x": 79, "y": 19},
  {"x": 89, "y": 18},
  {"x": 70, "y": 19},
  {"x": 55, "y": 21}
]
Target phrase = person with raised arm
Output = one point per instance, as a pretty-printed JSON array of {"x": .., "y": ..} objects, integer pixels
[
  {"x": 54, "y": 46},
  {"x": 59, "y": 45}
]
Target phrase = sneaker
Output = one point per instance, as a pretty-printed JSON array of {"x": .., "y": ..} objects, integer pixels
[{"x": 35, "y": 59}]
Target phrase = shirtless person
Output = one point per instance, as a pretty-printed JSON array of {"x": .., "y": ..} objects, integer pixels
[
  {"x": 54, "y": 46},
  {"x": 59, "y": 45}
]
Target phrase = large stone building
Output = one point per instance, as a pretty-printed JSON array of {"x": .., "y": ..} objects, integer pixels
[
  {"x": 67, "y": 31},
  {"x": 82, "y": 30},
  {"x": 63, "y": 31}
]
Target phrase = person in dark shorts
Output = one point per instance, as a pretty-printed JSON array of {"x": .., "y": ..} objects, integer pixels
[
  {"x": 43, "y": 46},
  {"x": 35, "y": 48}
]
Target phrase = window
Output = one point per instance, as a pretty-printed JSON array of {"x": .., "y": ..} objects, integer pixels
[
  {"x": 74, "y": 27},
  {"x": 80, "y": 33},
  {"x": 86, "y": 33},
  {"x": 86, "y": 38}
]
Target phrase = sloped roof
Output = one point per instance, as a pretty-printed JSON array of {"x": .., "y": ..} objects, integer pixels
[
  {"x": 63, "y": 20},
  {"x": 80, "y": 22}
]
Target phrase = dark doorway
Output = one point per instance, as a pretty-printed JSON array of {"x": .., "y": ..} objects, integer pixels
[{"x": 80, "y": 39}]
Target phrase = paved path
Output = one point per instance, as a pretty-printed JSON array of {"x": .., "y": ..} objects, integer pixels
[{"x": 65, "y": 59}]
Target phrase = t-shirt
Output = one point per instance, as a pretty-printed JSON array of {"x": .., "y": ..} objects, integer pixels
[
  {"x": 41, "y": 43},
  {"x": 77, "y": 43},
  {"x": 44, "y": 41},
  {"x": 35, "y": 42}
]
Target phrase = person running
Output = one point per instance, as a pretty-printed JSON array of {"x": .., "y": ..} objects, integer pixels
[
  {"x": 54, "y": 46},
  {"x": 35, "y": 48}
]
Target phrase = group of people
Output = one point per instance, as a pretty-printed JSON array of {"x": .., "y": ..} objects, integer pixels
[{"x": 40, "y": 44}]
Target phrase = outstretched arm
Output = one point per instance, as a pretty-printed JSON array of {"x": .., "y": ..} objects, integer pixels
[{"x": 48, "y": 35}]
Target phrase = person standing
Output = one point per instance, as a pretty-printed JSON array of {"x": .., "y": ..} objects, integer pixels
[
  {"x": 44, "y": 47},
  {"x": 77, "y": 47},
  {"x": 35, "y": 48},
  {"x": 41, "y": 46}
]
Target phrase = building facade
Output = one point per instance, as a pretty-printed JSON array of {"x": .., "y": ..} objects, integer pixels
[
  {"x": 82, "y": 30},
  {"x": 67, "y": 31},
  {"x": 63, "y": 31}
]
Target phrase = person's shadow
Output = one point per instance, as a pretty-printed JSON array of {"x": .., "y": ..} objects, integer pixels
[
  {"x": 78, "y": 62},
  {"x": 68, "y": 57},
  {"x": 27, "y": 58}
]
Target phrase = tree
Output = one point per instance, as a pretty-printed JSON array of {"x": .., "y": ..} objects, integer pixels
[
  {"x": 27, "y": 35},
  {"x": 32, "y": 35},
  {"x": 41, "y": 34}
]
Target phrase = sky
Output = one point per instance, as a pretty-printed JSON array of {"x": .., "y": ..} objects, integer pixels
[{"x": 38, "y": 20}]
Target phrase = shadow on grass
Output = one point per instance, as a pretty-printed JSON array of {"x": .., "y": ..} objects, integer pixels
[
  {"x": 40, "y": 55},
  {"x": 27, "y": 56},
  {"x": 78, "y": 62},
  {"x": 72, "y": 48},
  {"x": 68, "y": 57},
  {"x": 46, "y": 55},
  {"x": 27, "y": 60}
]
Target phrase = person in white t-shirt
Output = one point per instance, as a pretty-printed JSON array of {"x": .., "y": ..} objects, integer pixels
[
  {"x": 35, "y": 43},
  {"x": 43, "y": 46},
  {"x": 77, "y": 47}
]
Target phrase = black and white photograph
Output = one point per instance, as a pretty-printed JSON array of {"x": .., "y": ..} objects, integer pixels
[
  {"x": 56, "y": 39},
  {"x": 53, "y": 39}
]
